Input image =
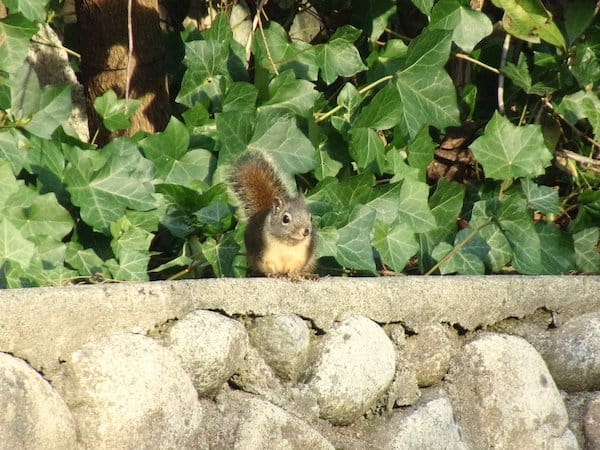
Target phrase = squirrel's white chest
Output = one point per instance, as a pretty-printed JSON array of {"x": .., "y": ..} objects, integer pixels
[{"x": 282, "y": 258}]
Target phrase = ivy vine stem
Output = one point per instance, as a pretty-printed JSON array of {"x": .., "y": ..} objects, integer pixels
[
  {"x": 458, "y": 248},
  {"x": 319, "y": 117}
]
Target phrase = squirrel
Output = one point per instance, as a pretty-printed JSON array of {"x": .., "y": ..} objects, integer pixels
[{"x": 280, "y": 237}]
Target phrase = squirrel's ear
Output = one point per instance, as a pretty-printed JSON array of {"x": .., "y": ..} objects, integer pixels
[{"x": 278, "y": 203}]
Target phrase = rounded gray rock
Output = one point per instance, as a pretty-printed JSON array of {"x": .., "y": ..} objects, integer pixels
[
  {"x": 126, "y": 391},
  {"x": 32, "y": 414},
  {"x": 284, "y": 342},
  {"x": 210, "y": 346},
  {"x": 429, "y": 354},
  {"x": 355, "y": 365},
  {"x": 504, "y": 397},
  {"x": 248, "y": 422},
  {"x": 591, "y": 422},
  {"x": 429, "y": 425},
  {"x": 573, "y": 355}
]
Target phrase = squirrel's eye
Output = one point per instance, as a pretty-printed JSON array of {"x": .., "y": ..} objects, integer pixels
[{"x": 287, "y": 218}]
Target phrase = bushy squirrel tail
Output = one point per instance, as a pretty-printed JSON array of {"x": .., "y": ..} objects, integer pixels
[{"x": 255, "y": 182}]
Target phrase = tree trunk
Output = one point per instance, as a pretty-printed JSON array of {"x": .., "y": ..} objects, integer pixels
[{"x": 103, "y": 32}]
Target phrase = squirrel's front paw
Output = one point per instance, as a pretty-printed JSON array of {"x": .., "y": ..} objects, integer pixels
[{"x": 295, "y": 277}]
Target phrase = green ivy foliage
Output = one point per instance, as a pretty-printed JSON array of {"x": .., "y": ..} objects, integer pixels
[{"x": 355, "y": 117}]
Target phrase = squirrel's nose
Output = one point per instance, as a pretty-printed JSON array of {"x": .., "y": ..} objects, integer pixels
[{"x": 306, "y": 232}]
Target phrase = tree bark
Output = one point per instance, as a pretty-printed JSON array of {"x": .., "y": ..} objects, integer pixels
[{"x": 103, "y": 32}]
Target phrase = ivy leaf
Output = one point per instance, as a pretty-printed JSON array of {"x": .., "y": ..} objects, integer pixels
[
  {"x": 241, "y": 97},
  {"x": 85, "y": 261},
  {"x": 446, "y": 204},
  {"x": 9, "y": 185},
  {"x": 284, "y": 54},
  {"x": 132, "y": 266},
  {"x": 130, "y": 246},
  {"x": 589, "y": 210},
  {"x": 519, "y": 74},
  {"x": 367, "y": 149},
  {"x": 578, "y": 16},
  {"x": 174, "y": 162},
  {"x": 349, "y": 98},
  {"x": 386, "y": 61},
  {"x": 338, "y": 197},
  {"x": 376, "y": 15},
  {"x": 15, "y": 31},
  {"x": 540, "y": 198},
  {"x": 420, "y": 152},
  {"x": 385, "y": 202},
  {"x": 105, "y": 185},
  {"x": 13, "y": 245},
  {"x": 500, "y": 252},
  {"x": 215, "y": 218},
  {"x": 587, "y": 256},
  {"x": 397, "y": 165},
  {"x": 506, "y": 151},
  {"x": 206, "y": 63},
  {"x": 25, "y": 92},
  {"x": 518, "y": 227},
  {"x": 280, "y": 137},
  {"x": 54, "y": 109},
  {"x": 468, "y": 26},
  {"x": 327, "y": 242},
  {"x": 557, "y": 251},
  {"x": 529, "y": 20},
  {"x": 395, "y": 243},
  {"x": 34, "y": 10},
  {"x": 220, "y": 255},
  {"x": 383, "y": 111},
  {"x": 413, "y": 208},
  {"x": 326, "y": 165},
  {"x": 38, "y": 273},
  {"x": 10, "y": 149},
  {"x": 42, "y": 217},
  {"x": 581, "y": 105},
  {"x": 115, "y": 112},
  {"x": 40, "y": 110},
  {"x": 234, "y": 130},
  {"x": 290, "y": 95},
  {"x": 426, "y": 90},
  {"x": 423, "y": 5},
  {"x": 466, "y": 261},
  {"x": 407, "y": 202},
  {"x": 339, "y": 57},
  {"x": 430, "y": 49},
  {"x": 220, "y": 30},
  {"x": 354, "y": 249},
  {"x": 587, "y": 66}
]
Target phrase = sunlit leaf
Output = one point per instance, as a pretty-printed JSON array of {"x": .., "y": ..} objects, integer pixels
[{"x": 506, "y": 151}]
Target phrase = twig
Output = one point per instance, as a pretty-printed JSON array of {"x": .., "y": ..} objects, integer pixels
[
  {"x": 458, "y": 248},
  {"x": 522, "y": 118},
  {"x": 320, "y": 117},
  {"x": 582, "y": 135},
  {"x": 255, "y": 21},
  {"x": 50, "y": 44},
  {"x": 93, "y": 141},
  {"x": 395, "y": 33},
  {"x": 505, "y": 47},
  {"x": 264, "y": 38},
  {"x": 479, "y": 63},
  {"x": 130, "y": 55},
  {"x": 590, "y": 163}
]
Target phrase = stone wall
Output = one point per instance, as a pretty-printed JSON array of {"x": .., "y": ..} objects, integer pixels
[{"x": 402, "y": 363}]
